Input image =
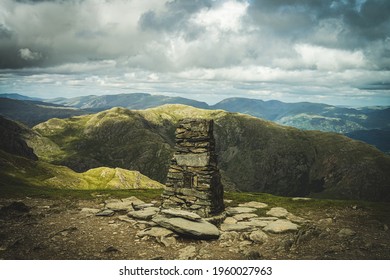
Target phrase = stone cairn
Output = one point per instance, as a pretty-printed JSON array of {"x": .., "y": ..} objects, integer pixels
[{"x": 194, "y": 182}]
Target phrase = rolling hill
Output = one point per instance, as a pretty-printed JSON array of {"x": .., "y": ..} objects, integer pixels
[
  {"x": 254, "y": 155},
  {"x": 20, "y": 166},
  {"x": 303, "y": 115}
]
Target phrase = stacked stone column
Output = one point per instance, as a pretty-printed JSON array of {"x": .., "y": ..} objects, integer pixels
[{"x": 193, "y": 181}]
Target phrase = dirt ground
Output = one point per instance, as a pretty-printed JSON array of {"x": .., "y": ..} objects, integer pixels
[{"x": 58, "y": 229}]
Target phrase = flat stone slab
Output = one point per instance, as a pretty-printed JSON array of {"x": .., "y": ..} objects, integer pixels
[
  {"x": 132, "y": 199},
  {"x": 119, "y": 205},
  {"x": 155, "y": 232},
  {"x": 279, "y": 212},
  {"x": 144, "y": 214},
  {"x": 182, "y": 214},
  {"x": 239, "y": 210},
  {"x": 244, "y": 216},
  {"x": 105, "y": 213},
  {"x": 254, "y": 204},
  {"x": 295, "y": 219},
  {"x": 267, "y": 218},
  {"x": 235, "y": 227},
  {"x": 281, "y": 226},
  {"x": 258, "y": 223},
  {"x": 143, "y": 206},
  {"x": 197, "y": 229}
]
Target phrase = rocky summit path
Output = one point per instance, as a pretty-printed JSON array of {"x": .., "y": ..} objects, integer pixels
[{"x": 36, "y": 228}]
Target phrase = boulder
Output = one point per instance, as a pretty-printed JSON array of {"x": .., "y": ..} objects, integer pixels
[
  {"x": 196, "y": 229},
  {"x": 280, "y": 226}
]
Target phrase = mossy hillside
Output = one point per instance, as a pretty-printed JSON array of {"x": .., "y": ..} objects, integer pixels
[
  {"x": 18, "y": 170},
  {"x": 254, "y": 155}
]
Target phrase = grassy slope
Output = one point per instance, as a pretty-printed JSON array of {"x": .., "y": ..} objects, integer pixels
[
  {"x": 254, "y": 155},
  {"x": 17, "y": 170}
]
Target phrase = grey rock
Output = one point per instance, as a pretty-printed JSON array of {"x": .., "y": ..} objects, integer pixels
[
  {"x": 192, "y": 159},
  {"x": 239, "y": 210},
  {"x": 258, "y": 236},
  {"x": 254, "y": 204},
  {"x": 143, "y": 206},
  {"x": 155, "y": 232},
  {"x": 281, "y": 226},
  {"x": 197, "y": 229},
  {"x": 258, "y": 222},
  {"x": 230, "y": 221},
  {"x": 126, "y": 219},
  {"x": 105, "y": 213},
  {"x": 167, "y": 241},
  {"x": 134, "y": 200},
  {"x": 295, "y": 219},
  {"x": 277, "y": 212},
  {"x": 244, "y": 216},
  {"x": 181, "y": 213},
  {"x": 235, "y": 227},
  {"x": 145, "y": 214},
  {"x": 118, "y": 205},
  {"x": 229, "y": 236}
]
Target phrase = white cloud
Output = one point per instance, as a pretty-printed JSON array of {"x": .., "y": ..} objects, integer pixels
[
  {"x": 226, "y": 17},
  {"x": 28, "y": 55},
  {"x": 322, "y": 58}
]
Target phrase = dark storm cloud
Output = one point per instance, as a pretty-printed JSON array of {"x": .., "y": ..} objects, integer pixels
[{"x": 175, "y": 18}]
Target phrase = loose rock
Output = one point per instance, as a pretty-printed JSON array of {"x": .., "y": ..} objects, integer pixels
[
  {"x": 277, "y": 212},
  {"x": 145, "y": 214},
  {"x": 181, "y": 213},
  {"x": 197, "y": 229},
  {"x": 235, "y": 227},
  {"x": 280, "y": 226},
  {"x": 105, "y": 213},
  {"x": 258, "y": 236},
  {"x": 239, "y": 210},
  {"x": 254, "y": 204},
  {"x": 244, "y": 216}
]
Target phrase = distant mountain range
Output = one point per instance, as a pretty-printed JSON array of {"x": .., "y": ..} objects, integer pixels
[{"x": 373, "y": 122}]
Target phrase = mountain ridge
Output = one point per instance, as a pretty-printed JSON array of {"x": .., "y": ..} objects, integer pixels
[{"x": 254, "y": 154}]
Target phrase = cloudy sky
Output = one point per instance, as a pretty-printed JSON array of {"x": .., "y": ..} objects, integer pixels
[{"x": 335, "y": 51}]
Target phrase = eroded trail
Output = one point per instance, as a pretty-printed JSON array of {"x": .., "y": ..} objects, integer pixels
[{"x": 38, "y": 228}]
